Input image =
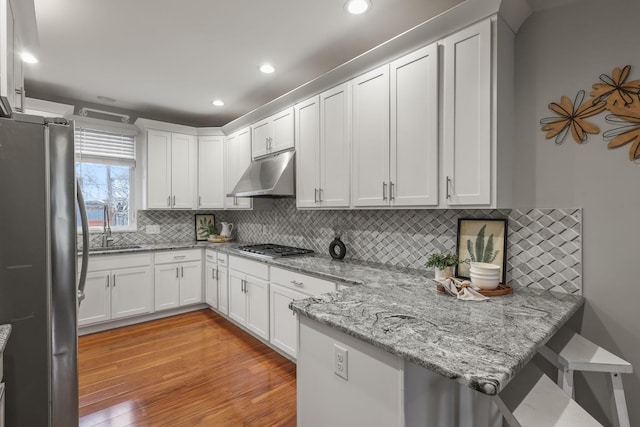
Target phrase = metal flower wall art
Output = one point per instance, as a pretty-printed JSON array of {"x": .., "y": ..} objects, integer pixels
[{"x": 621, "y": 98}]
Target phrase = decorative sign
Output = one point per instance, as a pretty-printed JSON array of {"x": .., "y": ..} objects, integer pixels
[{"x": 614, "y": 94}]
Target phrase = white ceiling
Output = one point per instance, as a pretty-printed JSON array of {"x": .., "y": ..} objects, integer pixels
[{"x": 168, "y": 59}]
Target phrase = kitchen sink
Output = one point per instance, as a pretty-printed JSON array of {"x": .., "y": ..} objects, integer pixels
[{"x": 114, "y": 248}]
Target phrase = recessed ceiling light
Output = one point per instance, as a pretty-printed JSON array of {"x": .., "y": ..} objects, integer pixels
[
  {"x": 267, "y": 68},
  {"x": 357, "y": 7},
  {"x": 28, "y": 58},
  {"x": 218, "y": 103},
  {"x": 106, "y": 98}
]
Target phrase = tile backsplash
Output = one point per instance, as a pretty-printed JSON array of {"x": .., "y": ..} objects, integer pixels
[{"x": 544, "y": 248}]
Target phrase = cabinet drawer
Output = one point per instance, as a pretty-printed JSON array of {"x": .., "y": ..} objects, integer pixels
[
  {"x": 178, "y": 256},
  {"x": 108, "y": 262},
  {"x": 211, "y": 255},
  {"x": 253, "y": 268},
  {"x": 223, "y": 259},
  {"x": 300, "y": 282}
]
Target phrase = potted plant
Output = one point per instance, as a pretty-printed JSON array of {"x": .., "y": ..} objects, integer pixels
[{"x": 443, "y": 264}]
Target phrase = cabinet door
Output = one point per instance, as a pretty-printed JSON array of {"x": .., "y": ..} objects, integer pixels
[
  {"x": 223, "y": 290},
  {"x": 211, "y": 285},
  {"x": 371, "y": 138},
  {"x": 190, "y": 283},
  {"x": 467, "y": 116},
  {"x": 96, "y": 306},
  {"x": 237, "y": 297},
  {"x": 257, "y": 292},
  {"x": 238, "y": 158},
  {"x": 282, "y": 129},
  {"x": 183, "y": 171},
  {"x": 7, "y": 59},
  {"x": 131, "y": 292},
  {"x": 261, "y": 133},
  {"x": 284, "y": 322},
  {"x": 307, "y": 115},
  {"x": 335, "y": 146},
  {"x": 414, "y": 129},
  {"x": 167, "y": 287},
  {"x": 211, "y": 172},
  {"x": 158, "y": 169}
]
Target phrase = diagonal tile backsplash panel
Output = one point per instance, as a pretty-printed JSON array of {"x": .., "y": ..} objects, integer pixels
[{"x": 544, "y": 246}]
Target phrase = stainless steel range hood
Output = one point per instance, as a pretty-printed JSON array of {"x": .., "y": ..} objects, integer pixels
[{"x": 272, "y": 176}]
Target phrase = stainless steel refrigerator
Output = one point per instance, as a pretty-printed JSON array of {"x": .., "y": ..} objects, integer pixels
[{"x": 38, "y": 258}]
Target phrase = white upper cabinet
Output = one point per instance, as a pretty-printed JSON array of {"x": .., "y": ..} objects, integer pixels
[
  {"x": 273, "y": 134},
  {"x": 10, "y": 61},
  {"x": 395, "y": 133},
  {"x": 371, "y": 138},
  {"x": 171, "y": 170},
  {"x": 467, "y": 107},
  {"x": 413, "y": 179},
  {"x": 211, "y": 172},
  {"x": 323, "y": 146},
  {"x": 237, "y": 160},
  {"x": 307, "y": 115}
]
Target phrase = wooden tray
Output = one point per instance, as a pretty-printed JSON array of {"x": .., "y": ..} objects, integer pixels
[
  {"x": 219, "y": 239},
  {"x": 500, "y": 290}
]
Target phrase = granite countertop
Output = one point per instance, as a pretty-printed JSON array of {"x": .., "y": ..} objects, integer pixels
[
  {"x": 479, "y": 344},
  {"x": 5, "y": 331}
]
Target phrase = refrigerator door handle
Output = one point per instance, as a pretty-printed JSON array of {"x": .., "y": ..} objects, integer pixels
[{"x": 85, "y": 243}]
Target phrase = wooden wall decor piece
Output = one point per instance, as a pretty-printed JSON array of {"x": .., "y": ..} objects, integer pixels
[{"x": 614, "y": 94}]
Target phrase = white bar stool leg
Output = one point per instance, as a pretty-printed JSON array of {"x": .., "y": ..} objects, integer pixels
[
  {"x": 565, "y": 381},
  {"x": 619, "y": 402}
]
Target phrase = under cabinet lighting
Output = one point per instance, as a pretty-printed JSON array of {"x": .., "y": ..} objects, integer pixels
[
  {"x": 28, "y": 58},
  {"x": 267, "y": 68},
  {"x": 357, "y": 7},
  {"x": 218, "y": 103}
]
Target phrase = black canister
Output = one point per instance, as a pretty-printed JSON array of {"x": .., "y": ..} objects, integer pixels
[{"x": 337, "y": 249}]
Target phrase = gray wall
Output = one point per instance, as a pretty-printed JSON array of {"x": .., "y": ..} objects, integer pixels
[{"x": 558, "y": 52}]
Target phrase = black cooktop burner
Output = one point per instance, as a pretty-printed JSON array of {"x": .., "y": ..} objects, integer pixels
[{"x": 270, "y": 250}]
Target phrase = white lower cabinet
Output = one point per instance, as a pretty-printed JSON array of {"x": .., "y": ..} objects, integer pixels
[
  {"x": 285, "y": 287},
  {"x": 211, "y": 277},
  {"x": 117, "y": 286},
  {"x": 178, "y": 279},
  {"x": 249, "y": 295},
  {"x": 223, "y": 290}
]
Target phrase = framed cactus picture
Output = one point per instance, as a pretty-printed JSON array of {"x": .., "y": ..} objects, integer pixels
[{"x": 482, "y": 240}]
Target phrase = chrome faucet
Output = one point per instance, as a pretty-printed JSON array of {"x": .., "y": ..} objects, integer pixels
[{"x": 106, "y": 228}]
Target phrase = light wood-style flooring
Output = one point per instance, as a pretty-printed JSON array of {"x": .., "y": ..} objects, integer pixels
[{"x": 195, "y": 369}]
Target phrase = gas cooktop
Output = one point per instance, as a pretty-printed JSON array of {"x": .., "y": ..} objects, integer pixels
[{"x": 270, "y": 250}]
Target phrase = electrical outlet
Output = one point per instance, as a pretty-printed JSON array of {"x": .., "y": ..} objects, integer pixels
[
  {"x": 340, "y": 361},
  {"x": 152, "y": 229}
]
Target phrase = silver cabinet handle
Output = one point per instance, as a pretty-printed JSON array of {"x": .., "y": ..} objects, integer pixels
[
  {"x": 169, "y": 201},
  {"x": 22, "y": 96},
  {"x": 391, "y": 185},
  {"x": 384, "y": 190},
  {"x": 448, "y": 186},
  {"x": 315, "y": 195},
  {"x": 217, "y": 274},
  {"x": 114, "y": 280},
  {"x": 174, "y": 200},
  {"x": 299, "y": 284},
  {"x": 108, "y": 278},
  {"x": 320, "y": 190},
  {"x": 199, "y": 200},
  {"x": 179, "y": 256},
  {"x": 177, "y": 272},
  {"x": 181, "y": 271}
]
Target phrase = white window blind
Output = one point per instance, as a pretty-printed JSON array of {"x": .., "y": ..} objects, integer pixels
[{"x": 98, "y": 146}]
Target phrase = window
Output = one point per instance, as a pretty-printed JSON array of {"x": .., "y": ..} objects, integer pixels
[{"x": 105, "y": 168}]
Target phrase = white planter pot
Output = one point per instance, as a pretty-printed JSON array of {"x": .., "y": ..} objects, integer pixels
[{"x": 445, "y": 273}]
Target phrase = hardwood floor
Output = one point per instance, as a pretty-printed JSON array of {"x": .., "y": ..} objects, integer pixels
[{"x": 195, "y": 369}]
